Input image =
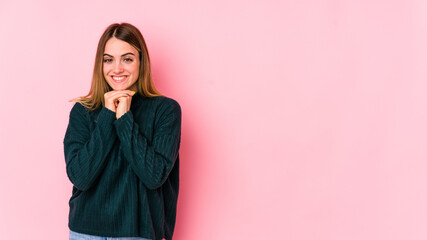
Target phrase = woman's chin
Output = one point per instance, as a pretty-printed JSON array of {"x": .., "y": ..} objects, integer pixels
[{"x": 119, "y": 88}]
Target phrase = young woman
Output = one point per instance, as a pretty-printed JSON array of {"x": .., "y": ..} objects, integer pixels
[{"x": 121, "y": 147}]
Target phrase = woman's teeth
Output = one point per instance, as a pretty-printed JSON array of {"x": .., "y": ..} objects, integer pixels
[{"x": 119, "y": 78}]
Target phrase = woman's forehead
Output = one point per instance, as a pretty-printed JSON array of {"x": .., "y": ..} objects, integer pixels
[{"x": 118, "y": 47}]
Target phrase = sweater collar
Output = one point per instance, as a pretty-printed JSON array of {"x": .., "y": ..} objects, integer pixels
[
  {"x": 136, "y": 99},
  {"x": 136, "y": 96}
]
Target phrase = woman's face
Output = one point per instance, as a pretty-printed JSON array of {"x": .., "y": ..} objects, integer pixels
[{"x": 121, "y": 65}]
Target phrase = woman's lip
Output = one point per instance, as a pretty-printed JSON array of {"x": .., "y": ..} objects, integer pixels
[{"x": 119, "y": 81}]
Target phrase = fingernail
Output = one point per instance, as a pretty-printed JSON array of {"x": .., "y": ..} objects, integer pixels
[{"x": 133, "y": 92}]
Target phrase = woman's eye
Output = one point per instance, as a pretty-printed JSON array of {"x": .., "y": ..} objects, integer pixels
[
  {"x": 107, "y": 60},
  {"x": 128, "y": 59}
]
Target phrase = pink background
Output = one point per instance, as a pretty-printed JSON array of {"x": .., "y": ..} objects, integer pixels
[{"x": 301, "y": 119}]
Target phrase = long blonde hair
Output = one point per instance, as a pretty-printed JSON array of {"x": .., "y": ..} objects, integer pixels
[{"x": 130, "y": 34}]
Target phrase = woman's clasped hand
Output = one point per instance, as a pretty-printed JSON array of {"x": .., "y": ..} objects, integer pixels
[{"x": 118, "y": 101}]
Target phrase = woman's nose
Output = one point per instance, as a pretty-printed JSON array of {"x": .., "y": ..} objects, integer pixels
[{"x": 118, "y": 67}]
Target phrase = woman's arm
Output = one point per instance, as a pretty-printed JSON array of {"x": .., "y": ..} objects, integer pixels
[
  {"x": 85, "y": 151},
  {"x": 152, "y": 163}
]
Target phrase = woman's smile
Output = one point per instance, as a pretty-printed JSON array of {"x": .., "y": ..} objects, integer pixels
[{"x": 119, "y": 79}]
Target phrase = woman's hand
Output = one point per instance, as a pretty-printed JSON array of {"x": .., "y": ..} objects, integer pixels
[
  {"x": 123, "y": 105},
  {"x": 113, "y": 99}
]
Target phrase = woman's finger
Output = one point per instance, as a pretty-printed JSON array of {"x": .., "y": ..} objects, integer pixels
[{"x": 118, "y": 94}]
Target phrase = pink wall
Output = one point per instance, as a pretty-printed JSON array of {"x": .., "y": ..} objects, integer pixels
[{"x": 301, "y": 119}]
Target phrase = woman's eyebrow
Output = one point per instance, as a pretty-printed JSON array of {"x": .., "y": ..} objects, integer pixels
[{"x": 106, "y": 54}]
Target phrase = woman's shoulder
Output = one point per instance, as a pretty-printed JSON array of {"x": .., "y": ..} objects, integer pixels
[
  {"x": 161, "y": 99},
  {"x": 164, "y": 102},
  {"x": 82, "y": 110},
  {"x": 169, "y": 101},
  {"x": 165, "y": 106},
  {"x": 79, "y": 107}
]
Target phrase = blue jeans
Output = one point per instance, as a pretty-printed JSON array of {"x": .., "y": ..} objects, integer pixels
[{"x": 81, "y": 236}]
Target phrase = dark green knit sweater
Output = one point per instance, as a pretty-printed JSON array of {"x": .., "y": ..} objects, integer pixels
[{"x": 125, "y": 172}]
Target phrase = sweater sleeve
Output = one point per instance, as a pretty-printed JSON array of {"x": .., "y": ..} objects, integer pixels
[
  {"x": 152, "y": 161},
  {"x": 85, "y": 150}
]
